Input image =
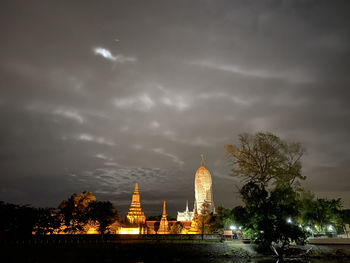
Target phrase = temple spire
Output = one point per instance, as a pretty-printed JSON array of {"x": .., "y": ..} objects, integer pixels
[
  {"x": 202, "y": 162},
  {"x": 164, "y": 210},
  {"x": 163, "y": 224},
  {"x": 136, "y": 188},
  {"x": 187, "y": 206}
]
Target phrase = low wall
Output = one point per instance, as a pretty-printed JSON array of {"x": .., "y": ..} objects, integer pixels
[
  {"x": 329, "y": 241},
  {"x": 98, "y": 238}
]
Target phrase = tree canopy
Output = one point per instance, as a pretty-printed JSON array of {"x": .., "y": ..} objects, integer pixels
[{"x": 263, "y": 157}]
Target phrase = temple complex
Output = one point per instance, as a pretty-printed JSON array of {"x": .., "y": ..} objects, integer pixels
[
  {"x": 188, "y": 222},
  {"x": 135, "y": 214}
]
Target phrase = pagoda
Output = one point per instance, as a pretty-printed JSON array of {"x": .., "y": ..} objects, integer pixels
[
  {"x": 164, "y": 224},
  {"x": 195, "y": 228},
  {"x": 135, "y": 214}
]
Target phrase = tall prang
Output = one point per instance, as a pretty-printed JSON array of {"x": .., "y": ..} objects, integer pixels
[
  {"x": 135, "y": 214},
  {"x": 203, "y": 189}
]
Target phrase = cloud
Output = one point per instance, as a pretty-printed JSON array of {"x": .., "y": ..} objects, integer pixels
[
  {"x": 70, "y": 114},
  {"x": 290, "y": 76},
  {"x": 111, "y": 164},
  {"x": 176, "y": 102},
  {"x": 225, "y": 96},
  {"x": 101, "y": 156},
  {"x": 145, "y": 102},
  {"x": 99, "y": 51},
  {"x": 91, "y": 138},
  {"x": 154, "y": 125},
  {"x": 173, "y": 157},
  {"x": 141, "y": 102}
]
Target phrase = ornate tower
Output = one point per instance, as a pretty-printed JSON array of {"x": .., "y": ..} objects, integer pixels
[
  {"x": 164, "y": 226},
  {"x": 135, "y": 214},
  {"x": 203, "y": 188}
]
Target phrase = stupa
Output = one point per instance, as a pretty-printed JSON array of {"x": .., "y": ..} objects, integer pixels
[
  {"x": 135, "y": 214},
  {"x": 195, "y": 228},
  {"x": 164, "y": 224}
]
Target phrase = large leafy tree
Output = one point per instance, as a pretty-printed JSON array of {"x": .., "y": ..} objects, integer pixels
[
  {"x": 270, "y": 169},
  {"x": 74, "y": 211}
]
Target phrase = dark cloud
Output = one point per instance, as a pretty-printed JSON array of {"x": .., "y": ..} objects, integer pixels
[{"x": 97, "y": 96}]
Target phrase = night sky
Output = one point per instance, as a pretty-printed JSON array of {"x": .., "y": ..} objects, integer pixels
[{"x": 98, "y": 95}]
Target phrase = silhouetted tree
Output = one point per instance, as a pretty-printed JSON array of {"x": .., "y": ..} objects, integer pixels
[
  {"x": 104, "y": 213},
  {"x": 74, "y": 211},
  {"x": 47, "y": 221},
  {"x": 16, "y": 221}
]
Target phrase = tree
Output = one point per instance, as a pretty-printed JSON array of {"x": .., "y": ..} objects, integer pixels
[
  {"x": 177, "y": 228},
  {"x": 74, "y": 211},
  {"x": 16, "y": 220},
  {"x": 205, "y": 219},
  {"x": 270, "y": 217},
  {"x": 104, "y": 213},
  {"x": 345, "y": 215},
  {"x": 271, "y": 170},
  {"x": 321, "y": 215},
  {"x": 46, "y": 221},
  {"x": 222, "y": 220},
  {"x": 264, "y": 157}
]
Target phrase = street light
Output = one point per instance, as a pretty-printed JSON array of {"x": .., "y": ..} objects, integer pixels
[{"x": 233, "y": 227}]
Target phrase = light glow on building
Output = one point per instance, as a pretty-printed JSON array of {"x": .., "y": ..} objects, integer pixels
[{"x": 129, "y": 231}]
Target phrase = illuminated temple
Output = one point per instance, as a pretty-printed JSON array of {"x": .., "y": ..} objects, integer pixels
[
  {"x": 135, "y": 214},
  {"x": 203, "y": 194},
  {"x": 188, "y": 222}
]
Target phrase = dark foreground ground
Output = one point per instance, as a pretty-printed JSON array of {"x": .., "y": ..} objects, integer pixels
[{"x": 153, "y": 251}]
